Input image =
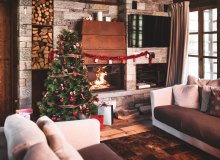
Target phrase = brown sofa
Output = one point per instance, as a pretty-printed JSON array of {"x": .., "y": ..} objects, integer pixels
[
  {"x": 189, "y": 124},
  {"x": 74, "y": 140}
]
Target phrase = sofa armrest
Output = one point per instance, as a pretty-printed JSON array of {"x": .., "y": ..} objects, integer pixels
[
  {"x": 161, "y": 97},
  {"x": 81, "y": 133}
]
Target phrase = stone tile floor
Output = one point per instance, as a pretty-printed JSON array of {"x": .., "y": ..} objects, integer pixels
[{"x": 126, "y": 127}]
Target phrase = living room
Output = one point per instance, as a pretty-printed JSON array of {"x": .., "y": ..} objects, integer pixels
[{"x": 126, "y": 61}]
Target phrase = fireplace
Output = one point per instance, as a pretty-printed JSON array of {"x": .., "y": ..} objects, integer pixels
[
  {"x": 151, "y": 75},
  {"x": 106, "y": 77}
]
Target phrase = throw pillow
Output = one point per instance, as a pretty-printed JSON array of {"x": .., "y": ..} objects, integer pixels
[
  {"x": 40, "y": 151},
  {"x": 21, "y": 134},
  {"x": 186, "y": 96},
  {"x": 213, "y": 83},
  {"x": 192, "y": 80},
  {"x": 57, "y": 141},
  {"x": 205, "y": 97},
  {"x": 215, "y": 102}
]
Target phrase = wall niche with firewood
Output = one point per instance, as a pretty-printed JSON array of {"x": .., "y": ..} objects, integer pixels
[{"x": 42, "y": 33}]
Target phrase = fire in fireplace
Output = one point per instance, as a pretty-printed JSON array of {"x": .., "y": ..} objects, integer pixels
[{"x": 106, "y": 77}]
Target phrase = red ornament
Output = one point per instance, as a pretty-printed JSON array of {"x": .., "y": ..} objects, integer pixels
[
  {"x": 62, "y": 47},
  {"x": 64, "y": 62},
  {"x": 65, "y": 83},
  {"x": 54, "y": 118},
  {"x": 75, "y": 113},
  {"x": 87, "y": 111},
  {"x": 61, "y": 100},
  {"x": 72, "y": 99},
  {"x": 75, "y": 74},
  {"x": 58, "y": 119},
  {"x": 97, "y": 99}
]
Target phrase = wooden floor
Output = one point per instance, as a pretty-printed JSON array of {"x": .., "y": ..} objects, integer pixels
[{"x": 126, "y": 127}]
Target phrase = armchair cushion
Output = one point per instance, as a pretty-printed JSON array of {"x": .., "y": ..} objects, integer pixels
[
  {"x": 35, "y": 152},
  {"x": 21, "y": 134},
  {"x": 56, "y": 140}
]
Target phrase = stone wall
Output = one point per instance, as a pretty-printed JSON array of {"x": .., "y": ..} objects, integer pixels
[{"x": 24, "y": 51}]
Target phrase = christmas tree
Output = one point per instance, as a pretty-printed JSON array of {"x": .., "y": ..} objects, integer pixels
[{"x": 68, "y": 95}]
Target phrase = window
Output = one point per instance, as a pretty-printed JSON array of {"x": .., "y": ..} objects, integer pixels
[{"x": 202, "y": 47}]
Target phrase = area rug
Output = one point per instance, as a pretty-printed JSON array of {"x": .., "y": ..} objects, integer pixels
[{"x": 155, "y": 145}]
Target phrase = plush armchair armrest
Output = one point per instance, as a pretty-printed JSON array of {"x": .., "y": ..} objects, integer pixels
[
  {"x": 161, "y": 97},
  {"x": 81, "y": 133}
]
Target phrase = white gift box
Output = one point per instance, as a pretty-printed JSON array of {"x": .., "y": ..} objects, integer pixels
[{"x": 107, "y": 112}]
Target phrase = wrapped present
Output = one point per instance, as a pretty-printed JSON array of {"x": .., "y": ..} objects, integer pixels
[
  {"x": 100, "y": 118},
  {"x": 107, "y": 112},
  {"x": 26, "y": 113}
]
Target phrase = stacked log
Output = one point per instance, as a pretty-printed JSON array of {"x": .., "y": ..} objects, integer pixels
[
  {"x": 42, "y": 12},
  {"x": 42, "y": 46}
]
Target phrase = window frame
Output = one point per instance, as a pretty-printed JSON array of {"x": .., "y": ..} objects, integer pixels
[{"x": 201, "y": 33}]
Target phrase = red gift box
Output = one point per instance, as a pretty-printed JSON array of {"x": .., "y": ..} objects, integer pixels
[{"x": 100, "y": 118}]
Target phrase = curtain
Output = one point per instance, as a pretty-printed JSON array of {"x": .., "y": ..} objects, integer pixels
[{"x": 177, "y": 56}]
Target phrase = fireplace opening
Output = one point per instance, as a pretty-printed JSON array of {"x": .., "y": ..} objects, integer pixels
[
  {"x": 104, "y": 77},
  {"x": 151, "y": 75}
]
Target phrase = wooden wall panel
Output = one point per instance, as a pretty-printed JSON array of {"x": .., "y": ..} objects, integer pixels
[
  {"x": 103, "y": 42},
  {"x": 5, "y": 63},
  {"x": 103, "y": 28}
]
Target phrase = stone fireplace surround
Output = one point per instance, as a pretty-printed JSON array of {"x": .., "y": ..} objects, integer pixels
[{"x": 66, "y": 15}]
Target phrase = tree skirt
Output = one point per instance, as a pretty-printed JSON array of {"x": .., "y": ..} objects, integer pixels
[{"x": 155, "y": 145}]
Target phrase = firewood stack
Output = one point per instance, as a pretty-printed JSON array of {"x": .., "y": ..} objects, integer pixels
[
  {"x": 42, "y": 12},
  {"x": 42, "y": 45},
  {"x": 42, "y": 33}
]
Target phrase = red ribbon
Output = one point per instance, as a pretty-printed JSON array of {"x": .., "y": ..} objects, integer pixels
[
  {"x": 119, "y": 58},
  {"x": 107, "y": 58}
]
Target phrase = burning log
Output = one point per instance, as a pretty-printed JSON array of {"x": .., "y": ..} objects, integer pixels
[
  {"x": 100, "y": 82},
  {"x": 42, "y": 46}
]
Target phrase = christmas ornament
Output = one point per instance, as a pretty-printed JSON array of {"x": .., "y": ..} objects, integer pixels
[
  {"x": 87, "y": 111},
  {"x": 62, "y": 100},
  {"x": 65, "y": 83},
  {"x": 96, "y": 60},
  {"x": 54, "y": 118},
  {"x": 82, "y": 96},
  {"x": 75, "y": 113},
  {"x": 64, "y": 62},
  {"x": 97, "y": 99},
  {"x": 74, "y": 74},
  {"x": 62, "y": 47},
  {"x": 72, "y": 99},
  {"x": 58, "y": 119}
]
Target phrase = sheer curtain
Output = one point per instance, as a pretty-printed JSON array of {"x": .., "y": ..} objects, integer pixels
[{"x": 177, "y": 56}]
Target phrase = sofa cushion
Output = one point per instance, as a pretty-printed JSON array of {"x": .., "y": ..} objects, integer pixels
[
  {"x": 191, "y": 122},
  {"x": 205, "y": 97},
  {"x": 21, "y": 134},
  {"x": 192, "y": 80},
  {"x": 214, "y": 108},
  {"x": 56, "y": 140},
  {"x": 186, "y": 95},
  {"x": 98, "y": 152},
  {"x": 40, "y": 151}
]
